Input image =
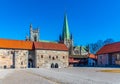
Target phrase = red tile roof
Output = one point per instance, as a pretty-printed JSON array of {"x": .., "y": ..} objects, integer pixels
[
  {"x": 28, "y": 45},
  {"x": 50, "y": 46},
  {"x": 110, "y": 48},
  {"x": 15, "y": 44},
  {"x": 92, "y": 56}
]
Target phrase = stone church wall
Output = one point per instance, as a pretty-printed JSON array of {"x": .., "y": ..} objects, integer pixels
[{"x": 44, "y": 58}]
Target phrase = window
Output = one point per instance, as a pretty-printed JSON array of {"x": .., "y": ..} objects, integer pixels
[
  {"x": 118, "y": 57},
  {"x": 53, "y": 58},
  {"x": 63, "y": 57},
  {"x": 49, "y": 57},
  {"x": 5, "y": 66},
  {"x": 41, "y": 56},
  {"x": 56, "y": 57},
  {"x": 21, "y": 63},
  {"x": 35, "y": 38},
  {"x": 100, "y": 57}
]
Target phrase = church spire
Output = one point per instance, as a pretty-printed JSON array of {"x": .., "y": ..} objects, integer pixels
[{"x": 65, "y": 33}]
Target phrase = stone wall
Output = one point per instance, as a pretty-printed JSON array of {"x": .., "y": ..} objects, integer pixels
[
  {"x": 21, "y": 58},
  {"x": 41, "y": 58},
  {"x": 44, "y": 58},
  {"x": 5, "y": 58},
  {"x": 10, "y": 58}
]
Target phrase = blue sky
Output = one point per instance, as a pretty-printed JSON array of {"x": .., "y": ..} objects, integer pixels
[{"x": 89, "y": 20}]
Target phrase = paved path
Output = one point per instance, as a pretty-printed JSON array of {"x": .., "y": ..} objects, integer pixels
[
  {"x": 23, "y": 77},
  {"x": 78, "y": 75},
  {"x": 59, "y": 76}
]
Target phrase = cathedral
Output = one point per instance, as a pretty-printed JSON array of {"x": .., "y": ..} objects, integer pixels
[
  {"x": 67, "y": 39},
  {"x": 64, "y": 38}
]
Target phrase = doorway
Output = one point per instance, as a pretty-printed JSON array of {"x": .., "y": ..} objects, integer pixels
[{"x": 30, "y": 63}]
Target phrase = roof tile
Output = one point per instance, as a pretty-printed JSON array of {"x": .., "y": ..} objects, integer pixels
[
  {"x": 110, "y": 48},
  {"x": 15, "y": 44},
  {"x": 50, "y": 46}
]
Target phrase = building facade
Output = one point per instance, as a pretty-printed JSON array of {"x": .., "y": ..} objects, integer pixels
[
  {"x": 28, "y": 54},
  {"x": 109, "y": 55}
]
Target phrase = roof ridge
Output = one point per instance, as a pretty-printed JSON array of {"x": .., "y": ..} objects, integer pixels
[{"x": 112, "y": 43}]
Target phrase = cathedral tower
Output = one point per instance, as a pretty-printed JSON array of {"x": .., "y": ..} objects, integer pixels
[
  {"x": 34, "y": 34},
  {"x": 66, "y": 37}
]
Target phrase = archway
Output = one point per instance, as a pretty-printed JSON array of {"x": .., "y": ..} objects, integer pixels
[
  {"x": 52, "y": 65},
  {"x": 30, "y": 63},
  {"x": 56, "y": 65}
]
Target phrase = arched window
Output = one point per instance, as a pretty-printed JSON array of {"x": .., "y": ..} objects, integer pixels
[
  {"x": 56, "y": 65},
  {"x": 52, "y": 65}
]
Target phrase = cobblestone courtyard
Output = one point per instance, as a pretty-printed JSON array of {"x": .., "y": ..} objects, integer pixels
[{"x": 80, "y": 75}]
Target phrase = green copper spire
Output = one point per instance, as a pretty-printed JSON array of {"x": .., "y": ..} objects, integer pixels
[{"x": 65, "y": 33}]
